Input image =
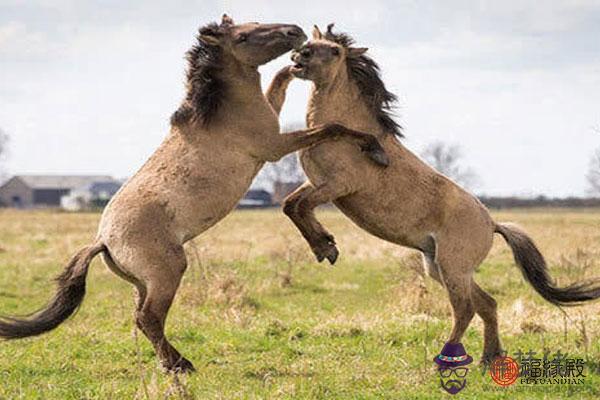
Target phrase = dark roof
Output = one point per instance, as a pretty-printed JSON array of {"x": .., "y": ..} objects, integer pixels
[
  {"x": 98, "y": 187},
  {"x": 258, "y": 194},
  {"x": 61, "y": 181}
]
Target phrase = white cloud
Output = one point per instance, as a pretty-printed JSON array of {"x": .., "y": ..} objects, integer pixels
[
  {"x": 549, "y": 17},
  {"x": 308, "y": 12},
  {"x": 515, "y": 83},
  {"x": 17, "y": 41}
]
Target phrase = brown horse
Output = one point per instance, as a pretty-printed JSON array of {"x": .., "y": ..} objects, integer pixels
[
  {"x": 408, "y": 203},
  {"x": 221, "y": 136}
]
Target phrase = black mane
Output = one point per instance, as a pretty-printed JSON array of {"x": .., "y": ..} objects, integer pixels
[
  {"x": 205, "y": 90},
  {"x": 365, "y": 73}
]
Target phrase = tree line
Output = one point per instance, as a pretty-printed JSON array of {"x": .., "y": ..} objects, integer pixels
[
  {"x": 447, "y": 158},
  {"x": 3, "y": 146}
]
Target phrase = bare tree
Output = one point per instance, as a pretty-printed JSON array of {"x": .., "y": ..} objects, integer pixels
[
  {"x": 3, "y": 141},
  {"x": 3, "y": 146},
  {"x": 447, "y": 159},
  {"x": 593, "y": 174},
  {"x": 287, "y": 170}
]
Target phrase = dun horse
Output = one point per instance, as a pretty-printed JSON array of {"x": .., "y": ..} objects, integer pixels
[
  {"x": 408, "y": 203},
  {"x": 221, "y": 136}
]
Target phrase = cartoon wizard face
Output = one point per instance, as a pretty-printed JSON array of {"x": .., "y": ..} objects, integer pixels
[{"x": 452, "y": 362}]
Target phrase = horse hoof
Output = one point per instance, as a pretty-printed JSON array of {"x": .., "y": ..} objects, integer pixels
[
  {"x": 329, "y": 252},
  {"x": 182, "y": 366},
  {"x": 332, "y": 255}
]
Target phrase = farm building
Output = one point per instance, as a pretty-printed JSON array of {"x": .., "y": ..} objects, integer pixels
[
  {"x": 92, "y": 195},
  {"x": 40, "y": 191},
  {"x": 256, "y": 198},
  {"x": 84, "y": 192}
]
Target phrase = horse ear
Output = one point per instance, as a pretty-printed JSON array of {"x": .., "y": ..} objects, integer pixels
[
  {"x": 210, "y": 39},
  {"x": 329, "y": 35},
  {"x": 330, "y": 28},
  {"x": 210, "y": 35},
  {"x": 354, "y": 52},
  {"x": 227, "y": 20},
  {"x": 316, "y": 33}
]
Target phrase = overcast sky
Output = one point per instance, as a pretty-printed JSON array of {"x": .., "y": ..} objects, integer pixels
[{"x": 88, "y": 87}]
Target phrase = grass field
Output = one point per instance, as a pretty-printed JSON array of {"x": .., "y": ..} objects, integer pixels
[{"x": 261, "y": 319}]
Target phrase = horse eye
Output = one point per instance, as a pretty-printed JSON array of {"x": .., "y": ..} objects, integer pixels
[
  {"x": 335, "y": 51},
  {"x": 242, "y": 38}
]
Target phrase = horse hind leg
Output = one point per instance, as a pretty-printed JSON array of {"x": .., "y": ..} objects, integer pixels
[
  {"x": 429, "y": 264},
  {"x": 150, "y": 318},
  {"x": 156, "y": 273},
  {"x": 486, "y": 306},
  {"x": 154, "y": 303},
  {"x": 456, "y": 276},
  {"x": 462, "y": 306},
  {"x": 112, "y": 265},
  {"x": 466, "y": 297},
  {"x": 299, "y": 207}
]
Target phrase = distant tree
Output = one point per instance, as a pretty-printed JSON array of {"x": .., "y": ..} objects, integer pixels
[
  {"x": 3, "y": 140},
  {"x": 447, "y": 159},
  {"x": 3, "y": 146},
  {"x": 288, "y": 169},
  {"x": 593, "y": 174}
]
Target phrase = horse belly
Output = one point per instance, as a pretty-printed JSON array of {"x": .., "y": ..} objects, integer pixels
[
  {"x": 186, "y": 196},
  {"x": 212, "y": 198},
  {"x": 384, "y": 223},
  {"x": 333, "y": 161},
  {"x": 375, "y": 205}
]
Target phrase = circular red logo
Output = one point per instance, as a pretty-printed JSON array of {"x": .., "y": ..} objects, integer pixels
[{"x": 504, "y": 371}]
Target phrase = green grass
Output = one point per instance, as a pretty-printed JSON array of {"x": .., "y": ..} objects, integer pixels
[{"x": 261, "y": 320}]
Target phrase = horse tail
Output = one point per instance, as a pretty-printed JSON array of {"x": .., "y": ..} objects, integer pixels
[
  {"x": 534, "y": 269},
  {"x": 68, "y": 297}
]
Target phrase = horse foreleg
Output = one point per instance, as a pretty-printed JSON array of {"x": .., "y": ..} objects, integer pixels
[
  {"x": 277, "y": 89},
  {"x": 299, "y": 207},
  {"x": 283, "y": 144}
]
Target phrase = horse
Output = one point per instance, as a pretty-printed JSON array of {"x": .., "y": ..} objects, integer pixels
[
  {"x": 221, "y": 135},
  {"x": 408, "y": 203}
]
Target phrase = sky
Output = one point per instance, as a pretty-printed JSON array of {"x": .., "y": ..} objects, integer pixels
[{"x": 88, "y": 87}]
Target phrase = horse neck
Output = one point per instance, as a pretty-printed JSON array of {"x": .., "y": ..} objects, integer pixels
[
  {"x": 244, "y": 109},
  {"x": 243, "y": 81},
  {"x": 241, "y": 98},
  {"x": 339, "y": 100}
]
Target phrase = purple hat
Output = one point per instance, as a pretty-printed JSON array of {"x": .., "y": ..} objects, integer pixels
[{"x": 453, "y": 355}]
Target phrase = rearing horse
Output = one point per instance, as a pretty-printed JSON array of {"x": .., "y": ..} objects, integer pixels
[
  {"x": 408, "y": 203},
  {"x": 221, "y": 136}
]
